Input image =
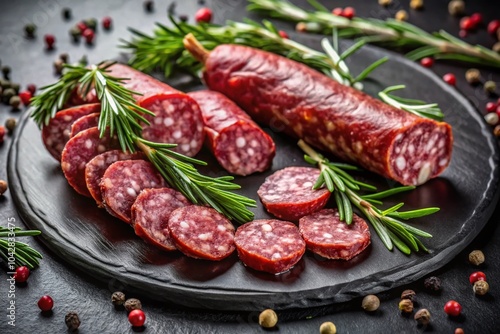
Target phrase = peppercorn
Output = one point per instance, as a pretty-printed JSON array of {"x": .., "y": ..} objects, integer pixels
[
  {"x": 10, "y": 124},
  {"x": 50, "y": 41},
  {"x": 148, "y": 5},
  {"x": 370, "y": 303},
  {"x": 66, "y": 13},
  {"x": 432, "y": 283},
  {"x": 58, "y": 66},
  {"x": 452, "y": 308},
  {"x": 25, "y": 97},
  {"x": 15, "y": 102},
  {"x": 183, "y": 18},
  {"x": 15, "y": 87},
  {"x": 106, "y": 22},
  {"x": 481, "y": 287},
  {"x": 406, "y": 306},
  {"x": 81, "y": 26},
  {"x": 450, "y": 79},
  {"x": 417, "y": 4},
  {"x": 118, "y": 298},
  {"x": 473, "y": 76},
  {"x": 423, "y": 317},
  {"x": 456, "y": 7},
  {"x": 22, "y": 274},
  {"x": 64, "y": 57},
  {"x": 476, "y": 257},
  {"x": 496, "y": 47},
  {"x": 132, "y": 304},
  {"x": 493, "y": 27},
  {"x": 91, "y": 23},
  {"x": 72, "y": 321},
  {"x": 408, "y": 294},
  {"x": 6, "y": 72},
  {"x": 30, "y": 30},
  {"x": 401, "y": 15},
  {"x": 75, "y": 34},
  {"x": 3, "y": 183},
  {"x": 384, "y": 3},
  {"x": 327, "y": 328},
  {"x": 459, "y": 330},
  {"x": 491, "y": 118},
  {"x": 5, "y": 84},
  {"x": 496, "y": 131},
  {"x": 2, "y": 135},
  {"x": 7, "y": 94},
  {"x": 490, "y": 87},
  {"x": 268, "y": 318},
  {"x": 88, "y": 34}
]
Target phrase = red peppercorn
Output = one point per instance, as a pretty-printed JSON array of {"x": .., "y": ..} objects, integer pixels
[
  {"x": 427, "y": 62},
  {"x": 476, "y": 19},
  {"x": 466, "y": 23},
  {"x": 49, "y": 41},
  {"x": 81, "y": 26},
  {"x": 203, "y": 15},
  {"x": 493, "y": 26},
  {"x": 349, "y": 12},
  {"x": 477, "y": 276},
  {"x": 2, "y": 135},
  {"x": 31, "y": 88},
  {"x": 450, "y": 79},
  {"x": 498, "y": 110},
  {"x": 88, "y": 34},
  {"x": 25, "y": 97},
  {"x": 45, "y": 303},
  {"x": 21, "y": 275},
  {"x": 452, "y": 308},
  {"x": 106, "y": 22},
  {"x": 137, "y": 318},
  {"x": 283, "y": 34},
  {"x": 491, "y": 107},
  {"x": 338, "y": 11}
]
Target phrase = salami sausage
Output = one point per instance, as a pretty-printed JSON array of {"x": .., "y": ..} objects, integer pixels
[
  {"x": 288, "y": 193},
  {"x": 95, "y": 168},
  {"x": 57, "y": 133},
  {"x": 240, "y": 146},
  {"x": 79, "y": 150},
  {"x": 201, "y": 232},
  {"x": 84, "y": 123},
  {"x": 150, "y": 213},
  {"x": 304, "y": 103},
  {"x": 269, "y": 245},
  {"x": 178, "y": 118},
  {"x": 331, "y": 238},
  {"x": 123, "y": 181}
]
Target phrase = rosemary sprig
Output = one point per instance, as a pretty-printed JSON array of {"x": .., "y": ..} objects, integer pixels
[
  {"x": 389, "y": 32},
  {"x": 387, "y": 223},
  {"x": 24, "y": 254},
  {"x": 121, "y": 116}
]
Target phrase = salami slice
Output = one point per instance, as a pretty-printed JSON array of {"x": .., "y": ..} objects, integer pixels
[
  {"x": 150, "y": 214},
  {"x": 123, "y": 181},
  {"x": 288, "y": 193},
  {"x": 79, "y": 150},
  {"x": 201, "y": 232},
  {"x": 95, "y": 168},
  {"x": 269, "y": 245},
  {"x": 331, "y": 238},
  {"x": 240, "y": 146},
  {"x": 84, "y": 123},
  {"x": 57, "y": 133},
  {"x": 178, "y": 118}
]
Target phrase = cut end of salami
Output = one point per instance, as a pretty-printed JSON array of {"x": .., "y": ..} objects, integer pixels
[
  {"x": 150, "y": 214},
  {"x": 123, "y": 181},
  {"x": 331, "y": 238},
  {"x": 288, "y": 193},
  {"x": 84, "y": 123},
  {"x": 269, "y": 245},
  {"x": 201, "y": 233}
]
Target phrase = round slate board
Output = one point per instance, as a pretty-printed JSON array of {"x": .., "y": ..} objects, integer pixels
[{"x": 93, "y": 241}]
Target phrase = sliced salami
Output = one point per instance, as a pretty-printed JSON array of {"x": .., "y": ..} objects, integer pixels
[
  {"x": 57, "y": 133},
  {"x": 79, "y": 150},
  {"x": 150, "y": 214},
  {"x": 269, "y": 245},
  {"x": 331, "y": 238},
  {"x": 123, "y": 181},
  {"x": 201, "y": 232},
  {"x": 84, "y": 123},
  {"x": 288, "y": 193},
  {"x": 240, "y": 146},
  {"x": 95, "y": 168}
]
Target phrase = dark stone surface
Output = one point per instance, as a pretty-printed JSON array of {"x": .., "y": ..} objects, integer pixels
[{"x": 78, "y": 290}]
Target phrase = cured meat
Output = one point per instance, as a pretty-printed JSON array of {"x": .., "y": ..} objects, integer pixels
[
  {"x": 150, "y": 214},
  {"x": 123, "y": 181},
  {"x": 57, "y": 133},
  {"x": 269, "y": 245},
  {"x": 178, "y": 118},
  {"x": 79, "y": 150},
  {"x": 331, "y": 238},
  {"x": 292, "y": 97},
  {"x": 288, "y": 193},
  {"x": 240, "y": 146},
  {"x": 201, "y": 232},
  {"x": 84, "y": 123},
  {"x": 95, "y": 168}
]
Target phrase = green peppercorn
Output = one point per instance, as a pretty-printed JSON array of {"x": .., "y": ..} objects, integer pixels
[
  {"x": 15, "y": 87},
  {"x": 75, "y": 34},
  {"x": 30, "y": 30},
  {"x": 58, "y": 66},
  {"x": 10, "y": 124},
  {"x": 6, "y": 72},
  {"x": 5, "y": 84},
  {"x": 7, "y": 94},
  {"x": 370, "y": 303},
  {"x": 481, "y": 287},
  {"x": 490, "y": 87},
  {"x": 473, "y": 76},
  {"x": 91, "y": 23},
  {"x": 15, "y": 102}
]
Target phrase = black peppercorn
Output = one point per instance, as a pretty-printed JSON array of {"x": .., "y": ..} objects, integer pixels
[
  {"x": 30, "y": 30},
  {"x": 132, "y": 304},
  {"x": 64, "y": 57},
  {"x": 432, "y": 283},
  {"x": 183, "y": 18},
  {"x": 118, "y": 298},
  {"x": 10, "y": 124},
  {"x": 423, "y": 317},
  {"x": 6, "y": 72},
  {"x": 408, "y": 294},
  {"x": 66, "y": 13},
  {"x": 72, "y": 321},
  {"x": 148, "y": 5}
]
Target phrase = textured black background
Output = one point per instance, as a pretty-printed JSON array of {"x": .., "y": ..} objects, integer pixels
[{"x": 74, "y": 290}]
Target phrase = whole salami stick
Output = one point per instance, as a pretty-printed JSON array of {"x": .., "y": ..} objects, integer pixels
[{"x": 352, "y": 125}]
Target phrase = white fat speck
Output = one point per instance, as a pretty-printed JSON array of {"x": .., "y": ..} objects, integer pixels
[
  {"x": 168, "y": 121},
  {"x": 233, "y": 159},
  {"x": 424, "y": 173},
  {"x": 276, "y": 256},
  {"x": 411, "y": 149},
  {"x": 66, "y": 133},
  {"x": 441, "y": 143},
  {"x": 67, "y": 118},
  {"x": 177, "y": 134},
  {"x": 398, "y": 150},
  {"x": 184, "y": 224},
  {"x": 205, "y": 236},
  {"x": 194, "y": 143},
  {"x": 400, "y": 163},
  {"x": 221, "y": 228},
  {"x": 88, "y": 143},
  {"x": 254, "y": 143},
  {"x": 240, "y": 142},
  {"x": 327, "y": 235},
  {"x": 443, "y": 162},
  {"x": 222, "y": 248},
  {"x": 170, "y": 109},
  {"x": 250, "y": 151},
  {"x": 131, "y": 192},
  {"x": 271, "y": 197},
  {"x": 185, "y": 147},
  {"x": 267, "y": 228},
  {"x": 158, "y": 120},
  {"x": 398, "y": 137},
  {"x": 307, "y": 184},
  {"x": 206, "y": 247},
  {"x": 101, "y": 148},
  {"x": 434, "y": 150},
  {"x": 100, "y": 163}
]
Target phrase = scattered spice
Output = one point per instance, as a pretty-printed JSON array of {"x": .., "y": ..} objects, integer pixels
[
  {"x": 64, "y": 57},
  {"x": 183, "y": 18},
  {"x": 477, "y": 276},
  {"x": 89, "y": 35},
  {"x": 10, "y": 124},
  {"x": 72, "y": 321},
  {"x": 481, "y": 287},
  {"x": 81, "y": 26},
  {"x": 466, "y": 23},
  {"x": 496, "y": 131},
  {"x": 427, "y": 62},
  {"x": 423, "y": 317},
  {"x": 75, "y": 34},
  {"x": 477, "y": 19},
  {"x": 132, "y": 304},
  {"x": 66, "y": 13},
  {"x": 25, "y": 97},
  {"x": 58, "y": 66},
  {"x": 15, "y": 102},
  {"x": 453, "y": 308},
  {"x": 283, "y": 34},
  {"x": 370, "y": 303},
  {"x": 491, "y": 118},
  {"x": 417, "y": 4},
  {"x": 106, "y": 22},
  {"x": 45, "y": 303},
  {"x": 456, "y": 7},
  {"x": 6, "y": 72},
  {"x": 7, "y": 94},
  {"x": 384, "y": 3},
  {"x": 490, "y": 107},
  {"x": 49, "y": 41},
  {"x": 401, "y": 15},
  {"x": 432, "y": 283},
  {"x": 459, "y": 330},
  {"x": 3, "y": 183},
  {"x": 15, "y": 87},
  {"x": 473, "y": 76},
  {"x": 149, "y": 6},
  {"x": 476, "y": 257},
  {"x": 349, "y": 13},
  {"x": 337, "y": 11},
  {"x": 91, "y": 23},
  {"x": 30, "y": 30},
  {"x": 493, "y": 27},
  {"x": 408, "y": 294},
  {"x": 496, "y": 47},
  {"x": 490, "y": 87},
  {"x": 327, "y": 328},
  {"x": 406, "y": 306},
  {"x": 203, "y": 15},
  {"x": 450, "y": 79},
  {"x": 83, "y": 61},
  {"x": 268, "y": 318},
  {"x": 21, "y": 274},
  {"x": 137, "y": 318},
  {"x": 118, "y": 298}
]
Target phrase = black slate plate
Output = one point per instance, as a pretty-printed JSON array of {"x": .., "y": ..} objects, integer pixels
[{"x": 96, "y": 243}]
